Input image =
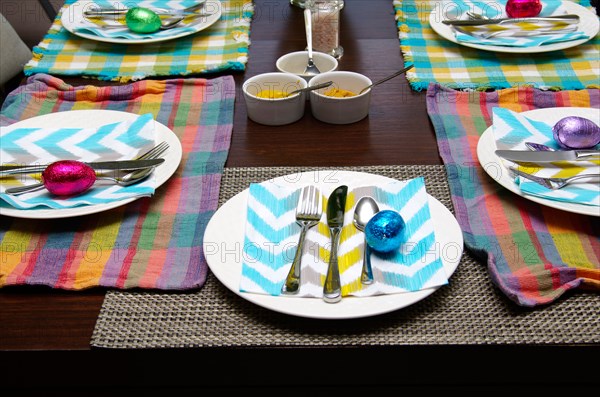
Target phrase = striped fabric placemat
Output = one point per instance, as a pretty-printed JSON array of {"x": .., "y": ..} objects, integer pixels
[
  {"x": 153, "y": 242},
  {"x": 221, "y": 47},
  {"x": 534, "y": 253},
  {"x": 437, "y": 60}
]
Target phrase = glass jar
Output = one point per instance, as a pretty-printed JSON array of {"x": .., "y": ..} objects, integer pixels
[
  {"x": 326, "y": 26},
  {"x": 298, "y": 3}
]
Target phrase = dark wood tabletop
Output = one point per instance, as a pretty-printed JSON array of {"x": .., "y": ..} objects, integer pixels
[{"x": 45, "y": 333}]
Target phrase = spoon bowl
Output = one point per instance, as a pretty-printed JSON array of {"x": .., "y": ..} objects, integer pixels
[
  {"x": 311, "y": 68},
  {"x": 365, "y": 208},
  {"x": 538, "y": 147}
]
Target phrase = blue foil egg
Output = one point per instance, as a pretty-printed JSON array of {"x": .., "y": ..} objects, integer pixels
[{"x": 385, "y": 231}]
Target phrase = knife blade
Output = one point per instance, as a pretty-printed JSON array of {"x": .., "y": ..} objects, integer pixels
[
  {"x": 118, "y": 165},
  {"x": 568, "y": 18},
  {"x": 528, "y": 156},
  {"x": 336, "y": 205}
]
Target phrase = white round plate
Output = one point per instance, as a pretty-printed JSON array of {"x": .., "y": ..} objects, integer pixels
[
  {"x": 97, "y": 118},
  {"x": 73, "y": 17},
  {"x": 588, "y": 24},
  {"x": 494, "y": 165},
  {"x": 224, "y": 240}
]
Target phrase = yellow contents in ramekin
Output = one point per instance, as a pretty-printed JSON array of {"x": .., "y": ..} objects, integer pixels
[
  {"x": 271, "y": 94},
  {"x": 339, "y": 93}
]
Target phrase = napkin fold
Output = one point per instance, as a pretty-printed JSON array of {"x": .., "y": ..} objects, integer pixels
[
  {"x": 118, "y": 29},
  {"x": 271, "y": 238},
  {"x": 46, "y": 144},
  {"x": 514, "y": 34},
  {"x": 512, "y": 129}
]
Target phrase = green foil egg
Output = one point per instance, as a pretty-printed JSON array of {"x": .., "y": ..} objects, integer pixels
[{"x": 142, "y": 20}]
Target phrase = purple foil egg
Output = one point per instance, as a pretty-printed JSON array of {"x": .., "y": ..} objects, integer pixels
[
  {"x": 574, "y": 132},
  {"x": 68, "y": 177}
]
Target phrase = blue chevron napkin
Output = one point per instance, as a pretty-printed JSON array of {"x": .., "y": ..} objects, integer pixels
[
  {"x": 115, "y": 27},
  {"x": 517, "y": 34},
  {"x": 46, "y": 144},
  {"x": 271, "y": 237},
  {"x": 511, "y": 131}
]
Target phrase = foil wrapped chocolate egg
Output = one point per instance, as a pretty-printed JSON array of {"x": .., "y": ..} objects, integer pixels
[
  {"x": 385, "y": 231},
  {"x": 142, "y": 20},
  {"x": 68, "y": 177},
  {"x": 523, "y": 8},
  {"x": 574, "y": 132}
]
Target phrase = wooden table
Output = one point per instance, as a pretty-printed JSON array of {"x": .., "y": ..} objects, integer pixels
[{"x": 40, "y": 327}]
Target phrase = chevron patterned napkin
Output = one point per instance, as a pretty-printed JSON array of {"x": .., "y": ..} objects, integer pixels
[
  {"x": 46, "y": 144},
  {"x": 271, "y": 237},
  {"x": 118, "y": 29},
  {"x": 512, "y": 130},
  {"x": 518, "y": 34}
]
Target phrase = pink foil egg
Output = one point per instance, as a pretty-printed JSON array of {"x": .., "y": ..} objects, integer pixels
[
  {"x": 523, "y": 8},
  {"x": 574, "y": 132},
  {"x": 68, "y": 177}
]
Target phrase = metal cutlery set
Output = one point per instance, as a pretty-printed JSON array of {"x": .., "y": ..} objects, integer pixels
[
  {"x": 542, "y": 154},
  {"x": 513, "y": 27},
  {"x": 308, "y": 213},
  {"x": 124, "y": 173}
]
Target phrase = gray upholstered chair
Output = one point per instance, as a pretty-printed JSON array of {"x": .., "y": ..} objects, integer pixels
[{"x": 14, "y": 53}]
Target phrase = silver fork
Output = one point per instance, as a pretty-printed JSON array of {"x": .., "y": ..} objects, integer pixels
[
  {"x": 308, "y": 214},
  {"x": 552, "y": 183},
  {"x": 128, "y": 179}
]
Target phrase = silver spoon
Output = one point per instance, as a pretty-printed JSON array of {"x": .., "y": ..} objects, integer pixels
[
  {"x": 363, "y": 212},
  {"x": 398, "y": 73},
  {"x": 314, "y": 87},
  {"x": 538, "y": 147},
  {"x": 311, "y": 68}
]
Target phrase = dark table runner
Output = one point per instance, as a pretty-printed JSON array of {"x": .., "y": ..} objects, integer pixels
[{"x": 470, "y": 310}]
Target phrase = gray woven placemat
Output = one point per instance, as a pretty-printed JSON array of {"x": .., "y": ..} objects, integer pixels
[{"x": 470, "y": 310}]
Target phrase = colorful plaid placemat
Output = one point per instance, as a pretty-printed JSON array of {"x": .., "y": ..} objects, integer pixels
[
  {"x": 438, "y": 60},
  {"x": 153, "y": 243},
  {"x": 534, "y": 253},
  {"x": 221, "y": 47}
]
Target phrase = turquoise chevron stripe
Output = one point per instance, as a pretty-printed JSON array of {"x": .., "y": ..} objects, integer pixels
[
  {"x": 415, "y": 282},
  {"x": 271, "y": 288},
  {"x": 519, "y": 131},
  {"x": 254, "y": 253},
  {"x": 267, "y": 230}
]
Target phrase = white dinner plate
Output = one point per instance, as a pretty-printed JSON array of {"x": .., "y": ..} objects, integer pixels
[
  {"x": 224, "y": 240},
  {"x": 588, "y": 24},
  {"x": 496, "y": 168},
  {"x": 73, "y": 17},
  {"x": 97, "y": 118}
]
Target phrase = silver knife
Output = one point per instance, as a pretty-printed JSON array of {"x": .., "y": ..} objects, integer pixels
[
  {"x": 568, "y": 18},
  {"x": 336, "y": 206},
  {"x": 100, "y": 165},
  {"x": 527, "y": 156}
]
